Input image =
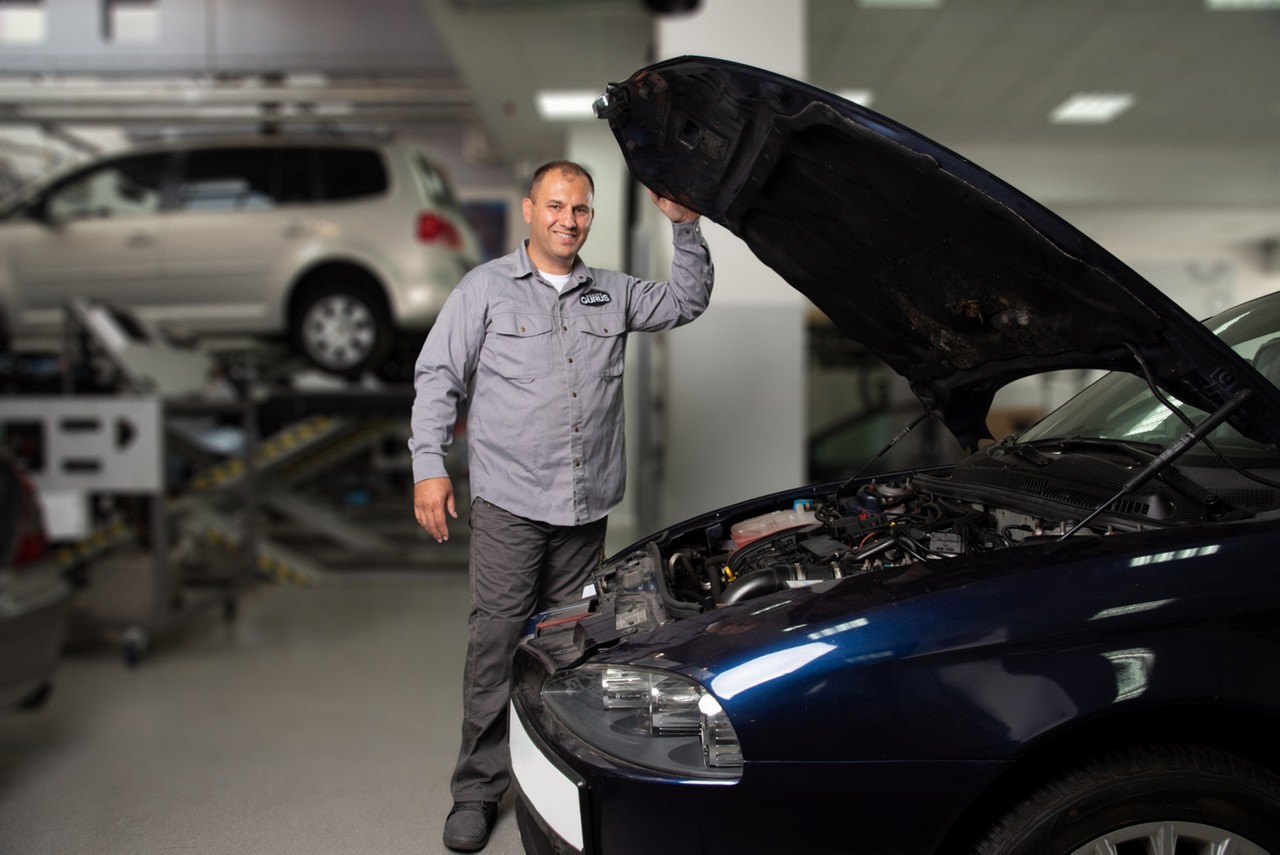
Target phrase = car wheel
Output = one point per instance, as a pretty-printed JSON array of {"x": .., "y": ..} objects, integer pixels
[
  {"x": 1153, "y": 800},
  {"x": 343, "y": 327}
]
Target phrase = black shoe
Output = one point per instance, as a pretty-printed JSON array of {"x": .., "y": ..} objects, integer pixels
[{"x": 468, "y": 825}]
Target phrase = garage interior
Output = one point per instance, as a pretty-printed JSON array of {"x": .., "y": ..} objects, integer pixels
[{"x": 267, "y": 652}]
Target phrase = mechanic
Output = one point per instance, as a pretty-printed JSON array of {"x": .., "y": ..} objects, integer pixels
[{"x": 533, "y": 342}]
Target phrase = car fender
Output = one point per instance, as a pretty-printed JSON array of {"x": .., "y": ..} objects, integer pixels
[{"x": 988, "y": 649}]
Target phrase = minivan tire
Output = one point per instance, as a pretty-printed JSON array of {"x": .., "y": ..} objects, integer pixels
[{"x": 341, "y": 323}]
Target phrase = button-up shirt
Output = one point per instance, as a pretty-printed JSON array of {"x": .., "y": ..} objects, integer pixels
[{"x": 541, "y": 372}]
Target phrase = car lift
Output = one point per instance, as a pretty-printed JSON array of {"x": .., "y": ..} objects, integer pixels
[{"x": 152, "y": 459}]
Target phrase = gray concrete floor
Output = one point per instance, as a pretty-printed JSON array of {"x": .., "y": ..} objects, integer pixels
[{"x": 322, "y": 720}]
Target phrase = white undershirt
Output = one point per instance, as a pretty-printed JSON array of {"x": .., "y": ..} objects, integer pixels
[{"x": 559, "y": 280}]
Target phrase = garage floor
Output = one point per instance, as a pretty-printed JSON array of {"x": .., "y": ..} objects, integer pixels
[{"x": 322, "y": 720}]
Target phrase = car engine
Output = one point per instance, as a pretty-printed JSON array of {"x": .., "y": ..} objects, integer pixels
[
  {"x": 824, "y": 537},
  {"x": 883, "y": 524}
]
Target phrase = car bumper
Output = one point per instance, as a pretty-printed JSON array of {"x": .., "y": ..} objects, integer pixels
[
  {"x": 34, "y": 610},
  {"x": 421, "y": 292},
  {"x": 575, "y": 799}
]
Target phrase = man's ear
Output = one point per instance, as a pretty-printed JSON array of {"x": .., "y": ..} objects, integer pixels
[{"x": 527, "y": 207}]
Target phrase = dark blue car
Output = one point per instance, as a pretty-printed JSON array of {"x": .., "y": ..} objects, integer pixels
[{"x": 1068, "y": 642}]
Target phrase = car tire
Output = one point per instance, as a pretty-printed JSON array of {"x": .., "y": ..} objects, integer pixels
[
  {"x": 1141, "y": 799},
  {"x": 342, "y": 325}
]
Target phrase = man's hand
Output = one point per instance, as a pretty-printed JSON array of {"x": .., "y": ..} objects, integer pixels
[
  {"x": 431, "y": 498},
  {"x": 675, "y": 212}
]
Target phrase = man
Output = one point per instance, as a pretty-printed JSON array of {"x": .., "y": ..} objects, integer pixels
[{"x": 534, "y": 342}]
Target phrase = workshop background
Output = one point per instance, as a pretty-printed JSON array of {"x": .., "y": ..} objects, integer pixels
[{"x": 262, "y": 653}]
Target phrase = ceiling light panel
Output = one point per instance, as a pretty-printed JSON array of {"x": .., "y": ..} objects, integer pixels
[
  {"x": 566, "y": 105},
  {"x": 1091, "y": 108},
  {"x": 899, "y": 4},
  {"x": 22, "y": 24},
  {"x": 1246, "y": 5},
  {"x": 857, "y": 96}
]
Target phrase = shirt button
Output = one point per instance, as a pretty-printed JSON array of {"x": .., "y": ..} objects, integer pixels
[
  {"x": 522, "y": 329},
  {"x": 577, "y": 464},
  {"x": 571, "y": 359},
  {"x": 573, "y": 394},
  {"x": 575, "y": 428},
  {"x": 563, "y": 328}
]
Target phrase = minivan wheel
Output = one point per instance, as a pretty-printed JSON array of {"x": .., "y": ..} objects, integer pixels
[
  {"x": 1147, "y": 800},
  {"x": 343, "y": 327}
]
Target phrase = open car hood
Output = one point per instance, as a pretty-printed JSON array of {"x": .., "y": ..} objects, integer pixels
[{"x": 956, "y": 280}]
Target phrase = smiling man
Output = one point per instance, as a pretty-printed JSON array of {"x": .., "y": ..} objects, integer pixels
[{"x": 534, "y": 343}]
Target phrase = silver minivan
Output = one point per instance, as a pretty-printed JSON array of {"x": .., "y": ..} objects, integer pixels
[{"x": 346, "y": 247}]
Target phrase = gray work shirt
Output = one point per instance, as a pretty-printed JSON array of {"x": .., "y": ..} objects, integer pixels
[{"x": 542, "y": 374}]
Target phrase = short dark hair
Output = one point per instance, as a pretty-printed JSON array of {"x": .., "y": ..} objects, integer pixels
[{"x": 566, "y": 166}]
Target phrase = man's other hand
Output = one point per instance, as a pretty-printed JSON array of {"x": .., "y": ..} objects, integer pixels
[{"x": 432, "y": 497}]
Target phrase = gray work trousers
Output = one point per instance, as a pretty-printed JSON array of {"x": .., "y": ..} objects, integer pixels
[{"x": 519, "y": 567}]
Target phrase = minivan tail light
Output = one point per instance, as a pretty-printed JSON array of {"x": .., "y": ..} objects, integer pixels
[
  {"x": 433, "y": 228},
  {"x": 31, "y": 541}
]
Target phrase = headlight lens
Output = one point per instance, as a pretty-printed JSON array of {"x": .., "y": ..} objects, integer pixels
[{"x": 652, "y": 718}]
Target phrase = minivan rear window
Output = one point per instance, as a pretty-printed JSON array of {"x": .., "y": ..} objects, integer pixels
[
  {"x": 351, "y": 174},
  {"x": 433, "y": 184}
]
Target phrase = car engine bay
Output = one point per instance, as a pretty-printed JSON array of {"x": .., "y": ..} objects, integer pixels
[
  {"x": 883, "y": 524},
  {"x": 1005, "y": 496},
  {"x": 823, "y": 537}
]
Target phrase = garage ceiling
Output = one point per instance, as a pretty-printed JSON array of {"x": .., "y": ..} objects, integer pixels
[{"x": 966, "y": 72}]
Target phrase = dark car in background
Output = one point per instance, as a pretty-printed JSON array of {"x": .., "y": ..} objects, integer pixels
[
  {"x": 1068, "y": 642},
  {"x": 35, "y": 599}
]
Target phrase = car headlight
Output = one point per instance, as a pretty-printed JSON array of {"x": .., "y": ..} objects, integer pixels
[{"x": 651, "y": 718}]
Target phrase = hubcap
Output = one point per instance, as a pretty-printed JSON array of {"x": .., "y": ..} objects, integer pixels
[
  {"x": 339, "y": 331},
  {"x": 1170, "y": 838}
]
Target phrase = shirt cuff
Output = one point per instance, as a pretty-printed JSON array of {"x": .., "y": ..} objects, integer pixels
[{"x": 428, "y": 466}]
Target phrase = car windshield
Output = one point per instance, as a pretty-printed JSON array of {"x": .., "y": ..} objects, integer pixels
[{"x": 1121, "y": 407}]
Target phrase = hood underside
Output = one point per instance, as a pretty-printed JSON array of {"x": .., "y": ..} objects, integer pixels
[{"x": 957, "y": 281}]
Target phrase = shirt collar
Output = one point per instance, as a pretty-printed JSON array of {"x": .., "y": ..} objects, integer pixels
[{"x": 580, "y": 274}]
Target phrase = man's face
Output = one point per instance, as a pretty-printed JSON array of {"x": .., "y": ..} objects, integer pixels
[{"x": 558, "y": 211}]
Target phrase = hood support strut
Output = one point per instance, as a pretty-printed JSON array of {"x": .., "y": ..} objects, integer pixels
[
  {"x": 898, "y": 437},
  {"x": 1162, "y": 460}
]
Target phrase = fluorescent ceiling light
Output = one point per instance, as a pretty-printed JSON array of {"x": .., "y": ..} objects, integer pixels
[
  {"x": 1225, "y": 5},
  {"x": 134, "y": 23},
  {"x": 22, "y": 24},
  {"x": 857, "y": 96},
  {"x": 900, "y": 4},
  {"x": 566, "y": 105},
  {"x": 1091, "y": 109}
]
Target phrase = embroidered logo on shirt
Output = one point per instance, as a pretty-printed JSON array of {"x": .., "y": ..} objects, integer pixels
[{"x": 595, "y": 298}]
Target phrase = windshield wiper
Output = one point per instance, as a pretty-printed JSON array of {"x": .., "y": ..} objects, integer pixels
[{"x": 1165, "y": 458}]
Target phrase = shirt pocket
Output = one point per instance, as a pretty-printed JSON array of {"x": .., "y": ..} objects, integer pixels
[
  {"x": 519, "y": 344},
  {"x": 603, "y": 340}
]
